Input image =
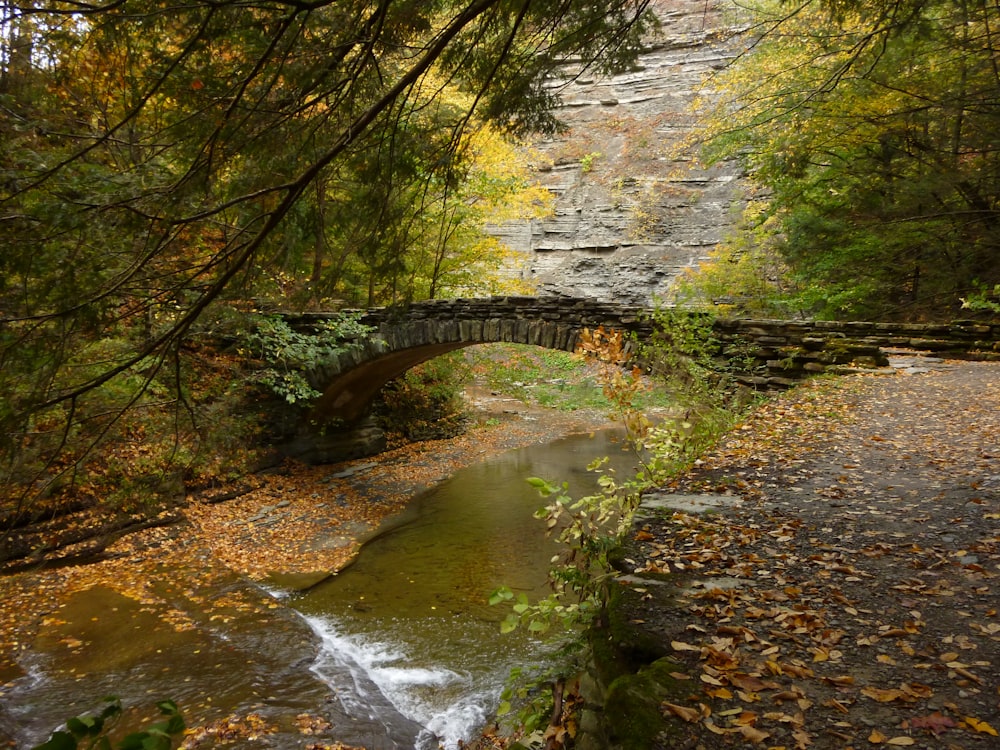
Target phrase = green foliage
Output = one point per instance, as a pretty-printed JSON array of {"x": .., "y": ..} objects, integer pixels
[
  {"x": 589, "y": 530},
  {"x": 683, "y": 357},
  {"x": 159, "y": 159},
  {"x": 983, "y": 300},
  {"x": 528, "y": 694},
  {"x": 746, "y": 275},
  {"x": 426, "y": 402},
  {"x": 587, "y": 162},
  {"x": 872, "y": 133},
  {"x": 287, "y": 354},
  {"x": 93, "y": 732},
  {"x": 551, "y": 378}
]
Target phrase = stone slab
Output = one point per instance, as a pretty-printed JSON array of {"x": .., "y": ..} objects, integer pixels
[{"x": 688, "y": 503}]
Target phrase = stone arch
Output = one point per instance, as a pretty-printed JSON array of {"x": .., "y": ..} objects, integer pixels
[{"x": 350, "y": 383}]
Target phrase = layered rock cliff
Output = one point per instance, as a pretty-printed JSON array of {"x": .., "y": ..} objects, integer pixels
[{"x": 632, "y": 208}]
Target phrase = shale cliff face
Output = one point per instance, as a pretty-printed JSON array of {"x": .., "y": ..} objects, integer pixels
[{"x": 632, "y": 209}]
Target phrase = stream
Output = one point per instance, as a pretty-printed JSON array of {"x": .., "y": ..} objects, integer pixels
[{"x": 399, "y": 650}]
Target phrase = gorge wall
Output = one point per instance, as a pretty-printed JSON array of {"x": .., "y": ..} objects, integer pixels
[{"x": 632, "y": 208}]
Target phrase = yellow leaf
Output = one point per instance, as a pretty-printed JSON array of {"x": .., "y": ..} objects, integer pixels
[
  {"x": 901, "y": 741},
  {"x": 711, "y": 727},
  {"x": 884, "y": 696},
  {"x": 681, "y": 646},
  {"x": 839, "y": 681},
  {"x": 720, "y": 693},
  {"x": 876, "y": 737},
  {"x": 980, "y": 726},
  {"x": 753, "y": 734}
]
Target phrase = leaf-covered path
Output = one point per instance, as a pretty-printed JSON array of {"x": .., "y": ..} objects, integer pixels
[{"x": 849, "y": 596}]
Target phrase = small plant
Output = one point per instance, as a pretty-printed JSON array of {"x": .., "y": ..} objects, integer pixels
[
  {"x": 587, "y": 161},
  {"x": 588, "y": 528},
  {"x": 287, "y": 354},
  {"x": 93, "y": 732},
  {"x": 983, "y": 299},
  {"x": 591, "y": 528}
]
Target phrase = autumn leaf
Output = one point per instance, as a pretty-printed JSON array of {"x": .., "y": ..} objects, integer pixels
[
  {"x": 681, "y": 712},
  {"x": 979, "y": 726},
  {"x": 935, "y": 723},
  {"x": 720, "y": 693},
  {"x": 681, "y": 646},
  {"x": 876, "y": 737},
  {"x": 750, "y": 683},
  {"x": 840, "y": 681},
  {"x": 883, "y": 695},
  {"x": 753, "y": 734},
  {"x": 712, "y": 727}
]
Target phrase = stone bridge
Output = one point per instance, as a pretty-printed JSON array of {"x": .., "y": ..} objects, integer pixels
[{"x": 771, "y": 353}]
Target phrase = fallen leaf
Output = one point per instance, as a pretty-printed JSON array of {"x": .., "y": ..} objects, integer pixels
[
  {"x": 980, "y": 726},
  {"x": 753, "y": 734},
  {"x": 751, "y": 683},
  {"x": 714, "y": 729},
  {"x": 682, "y": 646},
  {"x": 883, "y": 695},
  {"x": 840, "y": 681},
  {"x": 720, "y": 693},
  {"x": 682, "y": 712},
  {"x": 876, "y": 737},
  {"x": 935, "y": 723}
]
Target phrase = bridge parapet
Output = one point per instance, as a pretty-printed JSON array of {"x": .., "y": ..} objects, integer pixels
[
  {"x": 775, "y": 353},
  {"x": 407, "y": 336},
  {"x": 765, "y": 353}
]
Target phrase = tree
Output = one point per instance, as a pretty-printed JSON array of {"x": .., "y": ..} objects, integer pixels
[
  {"x": 158, "y": 158},
  {"x": 872, "y": 128}
]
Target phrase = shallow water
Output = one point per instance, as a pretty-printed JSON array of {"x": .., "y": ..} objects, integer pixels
[
  {"x": 409, "y": 620},
  {"x": 400, "y": 650}
]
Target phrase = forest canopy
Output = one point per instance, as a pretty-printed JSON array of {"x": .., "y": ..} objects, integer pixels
[
  {"x": 160, "y": 158},
  {"x": 871, "y": 131},
  {"x": 166, "y": 168}
]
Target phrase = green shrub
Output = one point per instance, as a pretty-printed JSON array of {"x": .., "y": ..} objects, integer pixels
[
  {"x": 93, "y": 732},
  {"x": 426, "y": 402}
]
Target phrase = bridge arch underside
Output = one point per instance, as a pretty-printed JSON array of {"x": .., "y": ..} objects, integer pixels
[{"x": 348, "y": 394}]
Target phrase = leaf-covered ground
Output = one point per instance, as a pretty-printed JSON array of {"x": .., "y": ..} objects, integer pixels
[{"x": 850, "y": 598}]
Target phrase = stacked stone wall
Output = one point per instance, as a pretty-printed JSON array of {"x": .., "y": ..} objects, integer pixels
[
  {"x": 763, "y": 354},
  {"x": 767, "y": 353},
  {"x": 785, "y": 351}
]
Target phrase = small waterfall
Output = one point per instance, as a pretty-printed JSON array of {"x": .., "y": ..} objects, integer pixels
[{"x": 419, "y": 707}]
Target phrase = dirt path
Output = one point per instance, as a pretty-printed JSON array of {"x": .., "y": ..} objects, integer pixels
[{"x": 849, "y": 598}]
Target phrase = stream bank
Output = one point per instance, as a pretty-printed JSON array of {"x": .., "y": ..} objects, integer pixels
[{"x": 184, "y": 583}]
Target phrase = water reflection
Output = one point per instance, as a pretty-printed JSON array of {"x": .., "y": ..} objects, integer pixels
[{"x": 410, "y": 616}]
